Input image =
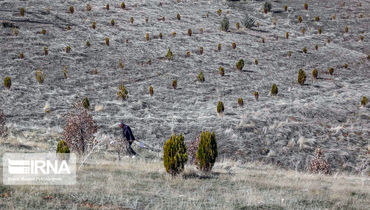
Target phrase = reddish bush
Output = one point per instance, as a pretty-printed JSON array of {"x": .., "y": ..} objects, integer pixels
[
  {"x": 318, "y": 164},
  {"x": 80, "y": 129},
  {"x": 192, "y": 149}
]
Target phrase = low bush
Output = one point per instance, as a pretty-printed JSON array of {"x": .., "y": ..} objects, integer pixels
[
  {"x": 303, "y": 30},
  {"x": 362, "y": 38},
  {"x": 122, "y": 92},
  {"x": 301, "y": 77},
  {"x": 107, "y": 41},
  {"x": 68, "y": 49},
  {"x": 267, "y": 7},
  {"x": 147, "y": 36},
  {"x": 240, "y": 64},
  {"x": 207, "y": 151},
  {"x": 201, "y": 30},
  {"x": 87, "y": 43},
  {"x": 79, "y": 131},
  {"x": 285, "y": 8},
  {"x": 187, "y": 54},
  {"x": 316, "y": 46},
  {"x": 43, "y": 31},
  {"x": 189, "y": 32},
  {"x": 300, "y": 19},
  {"x": 174, "y": 155},
  {"x": 107, "y": 6},
  {"x": 120, "y": 64},
  {"x": 62, "y": 147},
  {"x": 21, "y": 56},
  {"x": 263, "y": 40},
  {"x": 256, "y": 61},
  {"x": 314, "y": 73},
  {"x": 318, "y": 164},
  {"x": 345, "y": 65},
  {"x": 304, "y": 50},
  {"x": 131, "y": 20},
  {"x": 160, "y": 36},
  {"x": 289, "y": 53},
  {"x": 123, "y": 6},
  {"x": 317, "y": 18},
  {"x": 219, "y": 12},
  {"x": 7, "y": 82},
  {"x": 220, "y": 107},
  {"x": 65, "y": 72},
  {"x": 221, "y": 71},
  {"x": 200, "y": 77},
  {"x": 151, "y": 91},
  {"x": 274, "y": 89},
  {"x": 88, "y": 7},
  {"x": 346, "y": 29},
  {"x": 146, "y": 19},
  {"x": 86, "y": 103},
  {"x": 237, "y": 25},
  {"x": 225, "y": 24},
  {"x": 240, "y": 102},
  {"x": 40, "y": 77},
  {"x": 319, "y": 30},
  {"x": 201, "y": 50},
  {"x": 219, "y": 47},
  {"x": 248, "y": 22},
  {"x": 364, "y": 101},
  {"x": 174, "y": 84},
  {"x": 329, "y": 40},
  {"x": 93, "y": 25},
  {"x": 287, "y": 35},
  {"x": 178, "y": 16},
  {"x": 305, "y": 6},
  {"x": 45, "y": 50},
  {"x": 68, "y": 28},
  {"x": 333, "y": 17},
  {"x": 112, "y": 22}
]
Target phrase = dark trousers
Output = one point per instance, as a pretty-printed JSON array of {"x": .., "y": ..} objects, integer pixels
[{"x": 129, "y": 149}]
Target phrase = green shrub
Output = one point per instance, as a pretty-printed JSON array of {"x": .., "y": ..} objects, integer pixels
[
  {"x": 107, "y": 6},
  {"x": 174, "y": 155},
  {"x": 317, "y": 18},
  {"x": 201, "y": 50},
  {"x": 21, "y": 56},
  {"x": 221, "y": 71},
  {"x": 93, "y": 25},
  {"x": 240, "y": 64},
  {"x": 178, "y": 16},
  {"x": 45, "y": 50},
  {"x": 107, "y": 41},
  {"x": 274, "y": 89},
  {"x": 233, "y": 45},
  {"x": 219, "y": 47},
  {"x": 314, "y": 73},
  {"x": 7, "y": 82},
  {"x": 112, "y": 22},
  {"x": 220, "y": 107},
  {"x": 345, "y": 65},
  {"x": 305, "y": 6},
  {"x": 86, "y": 103},
  {"x": 285, "y": 7},
  {"x": 88, "y": 7},
  {"x": 68, "y": 49},
  {"x": 316, "y": 47},
  {"x": 331, "y": 71},
  {"x": 87, "y": 43},
  {"x": 131, "y": 20},
  {"x": 301, "y": 77},
  {"x": 300, "y": 19},
  {"x": 304, "y": 50},
  {"x": 240, "y": 102},
  {"x": 207, "y": 151},
  {"x": 267, "y": 6},
  {"x": 169, "y": 55},
  {"x": 62, "y": 147},
  {"x": 225, "y": 24},
  {"x": 364, "y": 101},
  {"x": 123, "y": 6},
  {"x": 122, "y": 92},
  {"x": 200, "y": 77},
  {"x": 40, "y": 77}
]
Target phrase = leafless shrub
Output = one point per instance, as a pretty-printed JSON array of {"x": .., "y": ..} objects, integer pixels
[
  {"x": 192, "y": 149},
  {"x": 318, "y": 164},
  {"x": 80, "y": 129},
  {"x": 2, "y": 122}
]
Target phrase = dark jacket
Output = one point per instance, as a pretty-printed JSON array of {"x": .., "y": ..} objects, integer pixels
[{"x": 127, "y": 133}]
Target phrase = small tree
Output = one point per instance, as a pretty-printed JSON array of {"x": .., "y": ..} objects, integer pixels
[
  {"x": 200, "y": 77},
  {"x": 314, "y": 73},
  {"x": 174, "y": 154},
  {"x": 86, "y": 103},
  {"x": 169, "y": 55},
  {"x": 122, "y": 92},
  {"x": 207, "y": 151},
  {"x": 240, "y": 64},
  {"x": 364, "y": 101},
  {"x": 80, "y": 129},
  {"x": 225, "y": 24},
  {"x": 301, "y": 77},
  {"x": 7, "y": 82},
  {"x": 220, "y": 107},
  {"x": 274, "y": 89}
]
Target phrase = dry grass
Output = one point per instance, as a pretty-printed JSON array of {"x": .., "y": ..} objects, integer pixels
[{"x": 143, "y": 183}]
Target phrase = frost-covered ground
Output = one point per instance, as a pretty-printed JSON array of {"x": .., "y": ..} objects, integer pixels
[{"x": 283, "y": 129}]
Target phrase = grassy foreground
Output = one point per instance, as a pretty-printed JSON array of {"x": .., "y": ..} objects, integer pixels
[{"x": 142, "y": 184}]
